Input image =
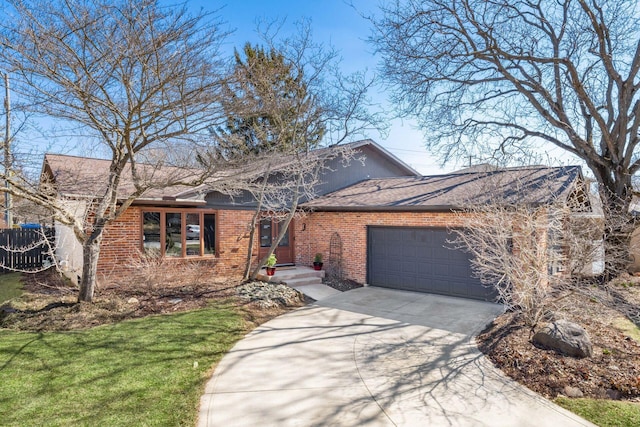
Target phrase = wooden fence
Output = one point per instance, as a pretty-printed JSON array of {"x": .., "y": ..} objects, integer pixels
[{"x": 25, "y": 249}]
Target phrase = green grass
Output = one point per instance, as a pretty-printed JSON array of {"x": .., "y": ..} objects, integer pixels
[
  {"x": 139, "y": 372},
  {"x": 604, "y": 413},
  {"x": 627, "y": 327},
  {"x": 10, "y": 286}
]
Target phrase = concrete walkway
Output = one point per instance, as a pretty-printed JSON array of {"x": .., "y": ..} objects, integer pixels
[
  {"x": 317, "y": 291},
  {"x": 303, "y": 279},
  {"x": 372, "y": 357}
]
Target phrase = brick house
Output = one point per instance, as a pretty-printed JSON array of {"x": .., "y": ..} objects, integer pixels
[
  {"x": 193, "y": 224},
  {"x": 376, "y": 221},
  {"x": 395, "y": 232}
]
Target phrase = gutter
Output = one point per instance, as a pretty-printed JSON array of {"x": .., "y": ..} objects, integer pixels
[
  {"x": 429, "y": 208},
  {"x": 168, "y": 201},
  {"x": 434, "y": 208}
]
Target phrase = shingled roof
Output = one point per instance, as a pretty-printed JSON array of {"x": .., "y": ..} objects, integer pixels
[
  {"x": 87, "y": 177},
  {"x": 531, "y": 185},
  {"x": 76, "y": 176}
]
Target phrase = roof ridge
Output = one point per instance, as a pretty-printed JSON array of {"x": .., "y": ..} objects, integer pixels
[{"x": 75, "y": 156}]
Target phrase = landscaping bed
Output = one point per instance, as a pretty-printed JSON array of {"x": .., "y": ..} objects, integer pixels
[
  {"x": 50, "y": 302},
  {"x": 614, "y": 370},
  {"x": 342, "y": 285}
]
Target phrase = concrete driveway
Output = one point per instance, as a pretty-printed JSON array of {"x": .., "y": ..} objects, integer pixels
[{"x": 372, "y": 357}]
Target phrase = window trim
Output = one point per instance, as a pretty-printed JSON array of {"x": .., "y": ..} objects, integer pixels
[{"x": 183, "y": 226}]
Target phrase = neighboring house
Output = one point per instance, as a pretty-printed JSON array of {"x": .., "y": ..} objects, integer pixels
[
  {"x": 375, "y": 220},
  {"x": 634, "y": 244},
  {"x": 592, "y": 222},
  {"x": 634, "y": 249}
]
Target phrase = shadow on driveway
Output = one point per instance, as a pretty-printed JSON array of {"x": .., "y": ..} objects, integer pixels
[{"x": 372, "y": 357}]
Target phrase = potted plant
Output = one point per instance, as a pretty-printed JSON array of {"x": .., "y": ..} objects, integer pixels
[
  {"x": 271, "y": 265},
  {"x": 317, "y": 262}
]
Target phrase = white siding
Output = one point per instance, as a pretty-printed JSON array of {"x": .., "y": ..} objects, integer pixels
[{"x": 68, "y": 248}]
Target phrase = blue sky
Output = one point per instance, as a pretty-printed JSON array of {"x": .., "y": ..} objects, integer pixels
[
  {"x": 340, "y": 23},
  {"x": 336, "y": 23}
]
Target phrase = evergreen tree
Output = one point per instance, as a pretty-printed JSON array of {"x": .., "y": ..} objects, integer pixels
[{"x": 268, "y": 106}]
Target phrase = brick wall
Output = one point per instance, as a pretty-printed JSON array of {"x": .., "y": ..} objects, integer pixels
[
  {"x": 121, "y": 245},
  {"x": 314, "y": 231},
  {"x": 233, "y": 238}
]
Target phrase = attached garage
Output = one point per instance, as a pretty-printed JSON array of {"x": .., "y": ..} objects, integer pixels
[
  {"x": 393, "y": 232},
  {"x": 420, "y": 259}
]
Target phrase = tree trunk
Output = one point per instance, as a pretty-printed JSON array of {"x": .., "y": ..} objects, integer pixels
[
  {"x": 90, "y": 255},
  {"x": 252, "y": 238},
  {"x": 254, "y": 222},
  {"x": 618, "y": 228},
  {"x": 283, "y": 228}
]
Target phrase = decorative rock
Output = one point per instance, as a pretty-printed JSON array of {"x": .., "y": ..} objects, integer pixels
[
  {"x": 132, "y": 300},
  {"x": 614, "y": 394},
  {"x": 175, "y": 301},
  {"x": 269, "y": 295},
  {"x": 566, "y": 337},
  {"x": 573, "y": 392}
]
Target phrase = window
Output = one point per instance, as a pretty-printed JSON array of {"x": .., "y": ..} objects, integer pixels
[
  {"x": 265, "y": 233},
  {"x": 178, "y": 233},
  {"x": 173, "y": 234},
  {"x": 151, "y": 233}
]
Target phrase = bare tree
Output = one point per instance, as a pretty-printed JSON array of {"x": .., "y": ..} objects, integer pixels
[
  {"x": 268, "y": 106},
  {"x": 508, "y": 76},
  {"x": 293, "y": 181},
  {"x": 286, "y": 100},
  {"x": 517, "y": 271},
  {"x": 129, "y": 76},
  {"x": 527, "y": 236}
]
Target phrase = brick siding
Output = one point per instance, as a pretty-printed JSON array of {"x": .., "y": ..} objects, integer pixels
[
  {"x": 233, "y": 238},
  {"x": 121, "y": 246},
  {"x": 121, "y": 243},
  {"x": 314, "y": 231}
]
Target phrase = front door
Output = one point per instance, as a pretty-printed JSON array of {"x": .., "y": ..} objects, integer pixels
[{"x": 269, "y": 229}]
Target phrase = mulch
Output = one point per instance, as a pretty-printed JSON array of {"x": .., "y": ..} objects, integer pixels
[
  {"x": 342, "y": 285},
  {"x": 50, "y": 301},
  {"x": 612, "y": 373}
]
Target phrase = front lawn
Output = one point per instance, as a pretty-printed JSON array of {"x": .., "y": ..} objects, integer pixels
[
  {"x": 604, "y": 413},
  {"x": 148, "y": 371},
  {"x": 10, "y": 286}
]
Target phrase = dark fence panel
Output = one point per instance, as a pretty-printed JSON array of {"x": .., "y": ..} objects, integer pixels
[{"x": 25, "y": 249}]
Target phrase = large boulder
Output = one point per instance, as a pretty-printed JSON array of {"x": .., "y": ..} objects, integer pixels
[{"x": 566, "y": 337}]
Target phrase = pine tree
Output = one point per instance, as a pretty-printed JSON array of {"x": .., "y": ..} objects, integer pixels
[{"x": 268, "y": 106}]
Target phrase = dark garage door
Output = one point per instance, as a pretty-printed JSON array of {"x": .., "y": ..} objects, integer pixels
[{"x": 419, "y": 259}]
